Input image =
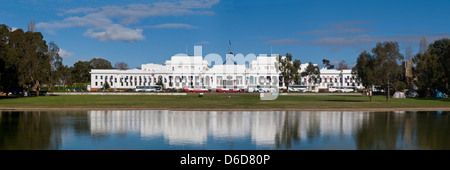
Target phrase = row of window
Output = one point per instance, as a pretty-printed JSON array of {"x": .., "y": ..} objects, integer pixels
[{"x": 125, "y": 83}]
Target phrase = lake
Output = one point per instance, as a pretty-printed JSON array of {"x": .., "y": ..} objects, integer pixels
[{"x": 223, "y": 130}]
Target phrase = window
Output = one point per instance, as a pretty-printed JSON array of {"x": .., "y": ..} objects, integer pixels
[
  {"x": 96, "y": 77},
  {"x": 96, "y": 83},
  {"x": 101, "y": 77}
]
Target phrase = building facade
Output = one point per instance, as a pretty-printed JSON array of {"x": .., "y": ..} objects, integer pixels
[{"x": 195, "y": 72}]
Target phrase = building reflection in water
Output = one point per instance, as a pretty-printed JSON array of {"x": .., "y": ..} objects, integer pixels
[
  {"x": 194, "y": 127},
  {"x": 249, "y": 130}
]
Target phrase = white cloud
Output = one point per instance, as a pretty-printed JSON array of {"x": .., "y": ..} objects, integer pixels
[
  {"x": 116, "y": 32},
  {"x": 172, "y": 25},
  {"x": 352, "y": 41},
  {"x": 203, "y": 43},
  {"x": 286, "y": 41},
  {"x": 356, "y": 41},
  {"x": 102, "y": 22},
  {"x": 65, "y": 54}
]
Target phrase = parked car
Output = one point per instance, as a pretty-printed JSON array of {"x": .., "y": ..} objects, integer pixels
[
  {"x": 101, "y": 90},
  {"x": 129, "y": 90}
]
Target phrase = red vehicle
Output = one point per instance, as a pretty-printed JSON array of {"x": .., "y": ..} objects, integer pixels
[
  {"x": 195, "y": 89},
  {"x": 230, "y": 90}
]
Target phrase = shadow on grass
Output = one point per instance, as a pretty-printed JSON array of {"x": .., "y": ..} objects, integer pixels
[
  {"x": 8, "y": 97},
  {"x": 431, "y": 99},
  {"x": 337, "y": 100}
]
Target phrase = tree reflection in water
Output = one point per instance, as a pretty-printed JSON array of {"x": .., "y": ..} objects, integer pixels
[{"x": 257, "y": 129}]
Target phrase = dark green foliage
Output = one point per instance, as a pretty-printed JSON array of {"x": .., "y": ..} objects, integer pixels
[
  {"x": 313, "y": 72},
  {"x": 28, "y": 62},
  {"x": 432, "y": 66},
  {"x": 381, "y": 68},
  {"x": 327, "y": 64},
  {"x": 289, "y": 70},
  {"x": 25, "y": 58}
]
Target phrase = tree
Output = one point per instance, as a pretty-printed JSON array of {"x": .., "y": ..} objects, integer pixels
[
  {"x": 408, "y": 53},
  {"x": 432, "y": 66},
  {"x": 289, "y": 70},
  {"x": 34, "y": 65},
  {"x": 80, "y": 71},
  {"x": 327, "y": 64},
  {"x": 342, "y": 65},
  {"x": 121, "y": 66},
  {"x": 381, "y": 68},
  {"x": 312, "y": 72},
  {"x": 423, "y": 45},
  {"x": 31, "y": 26},
  {"x": 386, "y": 68},
  {"x": 26, "y": 60},
  {"x": 441, "y": 48},
  {"x": 364, "y": 71},
  {"x": 296, "y": 71},
  {"x": 99, "y": 63},
  {"x": 64, "y": 76},
  {"x": 56, "y": 63},
  {"x": 106, "y": 85},
  {"x": 8, "y": 61}
]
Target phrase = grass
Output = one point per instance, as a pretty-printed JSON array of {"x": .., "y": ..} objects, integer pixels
[{"x": 219, "y": 102}]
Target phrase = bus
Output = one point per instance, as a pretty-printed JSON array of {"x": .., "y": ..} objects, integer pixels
[
  {"x": 341, "y": 89},
  {"x": 148, "y": 88},
  {"x": 297, "y": 88}
]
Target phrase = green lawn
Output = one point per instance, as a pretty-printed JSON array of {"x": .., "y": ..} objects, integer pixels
[{"x": 219, "y": 101}]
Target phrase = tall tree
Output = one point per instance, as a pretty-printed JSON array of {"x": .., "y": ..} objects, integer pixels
[
  {"x": 36, "y": 61},
  {"x": 26, "y": 59},
  {"x": 296, "y": 71},
  {"x": 408, "y": 53},
  {"x": 8, "y": 61},
  {"x": 441, "y": 48},
  {"x": 387, "y": 56},
  {"x": 432, "y": 66},
  {"x": 364, "y": 71},
  {"x": 327, "y": 64},
  {"x": 80, "y": 72},
  {"x": 423, "y": 45},
  {"x": 342, "y": 65},
  {"x": 31, "y": 26},
  {"x": 99, "y": 63},
  {"x": 55, "y": 64},
  {"x": 289, "y": 70},
  {"x": 64, "y": 75},
  {"x": 81, "y": 69},
  {"x": 121, "y": 66},
  {"x": 312, "y": 72}
]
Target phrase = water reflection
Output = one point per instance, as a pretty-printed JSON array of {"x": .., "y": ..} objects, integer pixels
[{"x": 145, "y": 129}]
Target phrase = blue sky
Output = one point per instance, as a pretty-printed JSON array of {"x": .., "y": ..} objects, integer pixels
[{"x": 139, "y": 32}]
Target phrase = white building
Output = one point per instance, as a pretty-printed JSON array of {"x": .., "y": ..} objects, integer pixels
[{"x": 195, "y": 72}]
